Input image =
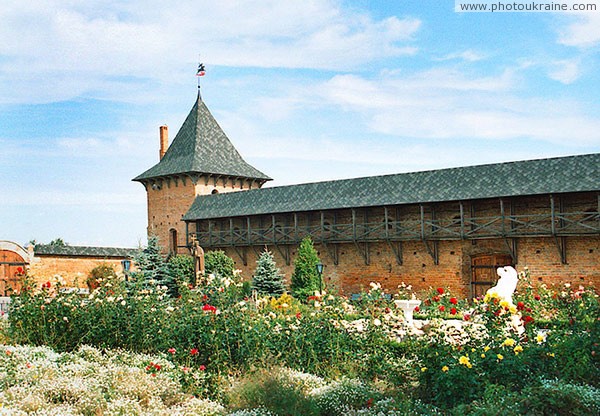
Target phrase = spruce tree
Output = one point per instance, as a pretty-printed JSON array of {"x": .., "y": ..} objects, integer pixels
[
  {"x": 267, "y": 279},
  {"x": 152, "y": 269},
  {"x": 305, "y": 279}
]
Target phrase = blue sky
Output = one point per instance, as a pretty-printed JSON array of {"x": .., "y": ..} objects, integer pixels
[{"x": 306, "y": 90}]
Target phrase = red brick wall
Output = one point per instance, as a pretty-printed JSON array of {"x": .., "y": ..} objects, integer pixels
[{"x": 453, "y": 271}]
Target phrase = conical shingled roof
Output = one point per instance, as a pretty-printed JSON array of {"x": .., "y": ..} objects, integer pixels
[{"x": 201, "y": 147}]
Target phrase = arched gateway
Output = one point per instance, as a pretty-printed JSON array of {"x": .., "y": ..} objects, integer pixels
[{"x": 13, "y": 261}]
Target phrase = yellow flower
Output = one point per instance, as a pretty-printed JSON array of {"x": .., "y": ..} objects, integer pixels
[
  {"x": 504, "y": 303},
  {"x": 464, "y": 360},
  {"x": 486, "y": 348},
  {"x": 482, "y": 355},
  {"x": 445, "y": 369},
  {"x": 550, "y": 354},
  {"x": 512, "y": 309},
  {"x": 500, "y": 357},
  {"x": 472, "y": 349},
  {"x": 518, "y": 349},
  {"x": 540, "y": 338},
  {"x": 508, "y": 342},
  {"x": 423, "y": 369}
]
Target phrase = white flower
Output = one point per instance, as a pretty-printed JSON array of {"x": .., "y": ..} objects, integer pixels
[
  {"x": 123, "y": 303},
  {"x": 376, "y": 322},
  {"x": 65, "y": 319}
]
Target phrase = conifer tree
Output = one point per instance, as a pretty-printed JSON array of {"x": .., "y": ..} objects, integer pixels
[
  {"x": 152, "y": 269},
  {"x": 305, "y": 279},
  {"x": 267, "y": 279}
]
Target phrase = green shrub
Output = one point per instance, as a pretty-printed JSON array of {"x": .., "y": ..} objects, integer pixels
[
  {"x": 305, "y": 279},
  {"x": 182, "y": 268},
  {"x": 559, "y": 398},
  {"x": 220, "y": 264},
  {"x": 267, "y": 389},
  {"x": 100, "y": 275}
]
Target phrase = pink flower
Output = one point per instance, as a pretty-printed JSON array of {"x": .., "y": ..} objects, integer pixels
[
  {"x": 172, "y": 351},
  {"x": 202, "y": 367}
]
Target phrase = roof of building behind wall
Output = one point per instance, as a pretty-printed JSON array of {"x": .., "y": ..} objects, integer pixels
[
  {"x": 530, "y": 177},
  {"x": 83, "y": 251},
  {"x": 201, "y": 147}
]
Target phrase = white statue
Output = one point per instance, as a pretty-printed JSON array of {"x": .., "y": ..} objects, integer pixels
[{"x": 506, "y": 285}]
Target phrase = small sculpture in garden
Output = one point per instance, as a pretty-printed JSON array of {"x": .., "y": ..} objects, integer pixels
[
  {"x": 198, "y": 254},
  {"x": 506, "y": 285}
]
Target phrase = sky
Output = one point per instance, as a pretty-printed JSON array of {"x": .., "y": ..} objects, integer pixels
[{"x": 306, "y": 90}]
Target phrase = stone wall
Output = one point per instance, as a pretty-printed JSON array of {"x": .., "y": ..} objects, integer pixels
[
  {"x": 169, "y": 200},
  {"x": 73, "y": 269},
  {"x": 351, "y": 275}
]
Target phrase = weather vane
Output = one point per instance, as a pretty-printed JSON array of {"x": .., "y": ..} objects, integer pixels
[{"x": 200, "y": 73}]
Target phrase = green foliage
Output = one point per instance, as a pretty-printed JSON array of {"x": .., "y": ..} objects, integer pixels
[
  {"x": 267, "y": 279},
  {"x": 152, "y": 269},
  {"x": 267, "y": 389},
  {"x": 182, "y": 268},
  {"x": 99, "y": 275},
  {"x": 305, "y": 279},
  {"x": 58, "y": 242},
  {"x": 218, "y": 263},
  {"x": 487, "y": 366}
]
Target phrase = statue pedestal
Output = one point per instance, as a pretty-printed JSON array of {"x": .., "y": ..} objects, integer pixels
[{"x": 408, "y": 306}]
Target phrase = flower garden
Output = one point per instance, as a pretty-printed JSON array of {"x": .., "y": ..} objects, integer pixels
[{"x": 152, "y": 346}]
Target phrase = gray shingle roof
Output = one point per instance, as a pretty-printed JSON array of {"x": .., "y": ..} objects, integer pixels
[
  {"x": 531, "y": 177},
  {"x": 82, "y": 251},
  {"x": 201, "y": 147}
]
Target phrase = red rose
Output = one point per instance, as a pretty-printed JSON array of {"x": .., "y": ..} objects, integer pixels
[
  {"x": 453, "y": 311},
  {"x": 442, "y": 308},
  {"x": 436, "y": 298},
  {"x": 209, "y": 308},
  {"x": 520, "y": 306},
  {"x": 466, "y": 316},
  {"x": 194, "y": 351},
  {"x": 440, "y": 290},
  {"x": 453, "y": 301},
  {"x": 172, "y": 351},
  {"x": 298, "y": 315},
  {"x": 537, "y": 297},
  {"x": 202, "y": 367},
  {"x": 417, "y": 309},
  {"x": 527, "y": 319}
]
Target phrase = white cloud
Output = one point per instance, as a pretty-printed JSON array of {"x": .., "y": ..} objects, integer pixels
[
  {"x": 467, "y": 55},
  {"x": 565, "y": 71},
  {"x": 582, "y": 30},
  {"x": 75, "y": 48},
  {"x": 442, "y": 103}
]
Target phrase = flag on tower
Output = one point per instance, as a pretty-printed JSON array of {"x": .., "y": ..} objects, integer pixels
[{"x": 201, "y": 70}]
